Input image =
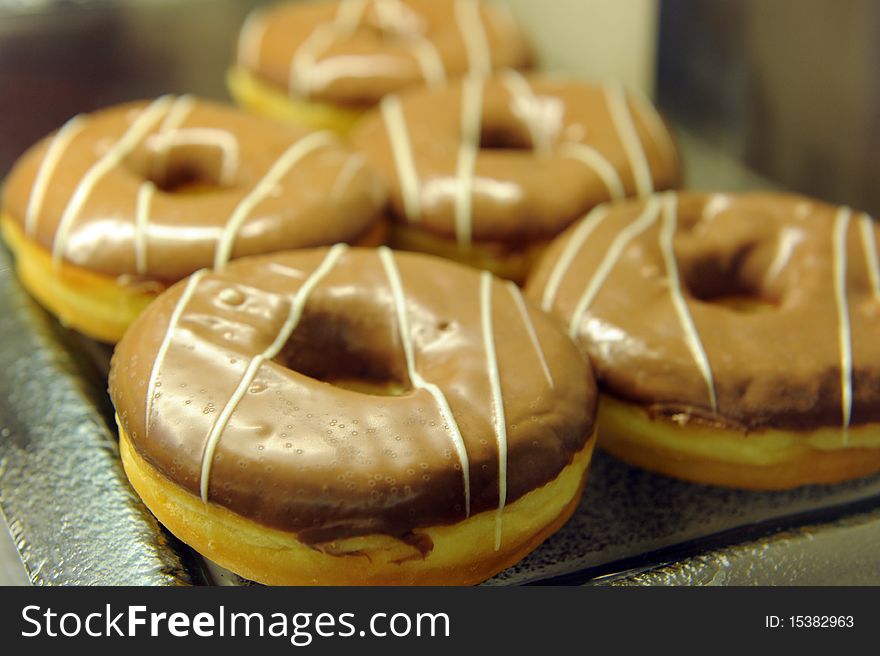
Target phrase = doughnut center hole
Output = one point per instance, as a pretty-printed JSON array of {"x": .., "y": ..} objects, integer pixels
[
  {"x": 187, "y": 168},
  {"x": 339, "y": 351},
  {"x": 730, "y": 285},
  {"x": 504, "y": 137},
  {"x": 186, "y": 178}
]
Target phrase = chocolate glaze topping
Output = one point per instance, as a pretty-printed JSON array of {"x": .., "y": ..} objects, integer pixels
[
  {"x": 514, "y": 158},
  {"x": 748, "y": 311},
  {"x": 354, "y": 52},
  {"x": 226, "y": 385},
  {"x": 158, "y": 190}
]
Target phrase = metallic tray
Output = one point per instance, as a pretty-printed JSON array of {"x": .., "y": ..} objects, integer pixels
[{"x": 75, "y": 520}]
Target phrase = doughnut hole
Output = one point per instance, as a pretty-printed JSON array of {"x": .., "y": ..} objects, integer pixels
[
  {"x": 731, "y": 282},
  {"x": 503, "y": 136},
  {"x": 332, "y": 349},
  {"x": 188, "y": 168}
]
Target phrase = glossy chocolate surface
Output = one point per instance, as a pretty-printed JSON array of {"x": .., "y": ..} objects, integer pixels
[
  {"x": 306, "y": 455},
  {"x": 353, "y": 52},
  {"x": 158, "y": 190},
  {"x": 516, "y": 158},
  {"x": 767, "y": 302}
]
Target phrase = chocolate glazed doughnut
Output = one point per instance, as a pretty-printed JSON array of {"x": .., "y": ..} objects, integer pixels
[
  {"x": 118, "y": 204},
  {"x": 351, "y": 416},
  {"x": 324, "y": 63},
  {"x": 487, "y": 172},
  {"x": 735, "y": 336}
]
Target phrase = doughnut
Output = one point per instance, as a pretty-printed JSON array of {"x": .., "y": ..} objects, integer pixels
[
  {"x": 115, "y": 206},
  {"x": 322, "y": 64},
  {"x": 353, "y": 416},
  {"x": 489, "y": 172},
  {"x": 734, "y": 335}
]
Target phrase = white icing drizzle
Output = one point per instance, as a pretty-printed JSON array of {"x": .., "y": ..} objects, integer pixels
[
  {"x": 179, "y": 309},
  {"x": 390, "y": 266},
  {"x": 469, "y": 148},
  {"x": 60, "y": 142},
  {"x": 523, "y": 98},
  {"x": 346, "y": 174},
  {"x": 349, "y": 15},
  {"x": 297, "y": 306},
  {"x": 250, "y": 41},
  {"x": 429, "y": 61},
  {"x": 401, "y": 150},
  {"x": 400, "y": 19},
  {"x": 656, "y": 127},
  {"x": 789, "y": 238},
  {"x": 499, "y": 418},
  {"x": 644, "y": 221},
  {"x": 129, "y": 140},
  {"x": 530, "y": 329},
  {"x": 264, "y": 188},
  {"x": 583, "y": 231},
  {"x": 599, "y": 163},
  {"x": 141, "y": 221},
  {"x": 473, "y": 33},
  {"x": 212, "y": 137},
  {"x": 866, "y": 226},
  {"x": 844, "y": 334},
  {"x": 178, "y": 113},
  {"x": 692, "y": 337},
  {"x": 306, "y": 56},
  {"x": 626, "y": 131}
]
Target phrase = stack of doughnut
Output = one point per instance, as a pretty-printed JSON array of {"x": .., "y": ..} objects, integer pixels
[{"x": 304, "y": 405}]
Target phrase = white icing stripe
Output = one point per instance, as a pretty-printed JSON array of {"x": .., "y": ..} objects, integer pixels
[
  {"x": 306, "y": 56},
  {"x": 469, "y": 148},
  {"x": 473, "y": 33},
  {"x": 349, "y": 15},
  {"x": 500, "y": 420},
  {"x": 145, "y": 122},
  {"x": 583, "y": 231},
  {"x": 656, "y": 126},
  {"x": 179, "y": 309},
  {"x": 869, "y": 244},
  {"x": 692, "y": 338},
  {"x": 346, "y": 174},
  {"x": 141, "y": 221},
  {"x": 401, "y": 150},
  {"x": 522, "y": 95},
  {"x": 644, "y": 221},
  {"x": 430, "y": 62},
  {"x": 626, "y": 131},
  {"x": 173, "y": 120},
  {"x": 297, "y": 306},
  {"x": 60, "y": 142},
  {"x": 391, "y": 271},
  {"x": 211, "y": 137},
  {"x": 530, "y": 329},
  {"x": 264, "y": 188},
  {"x": 841, "y": 227},
  {"x": 250, "y": 42},
  {"x": 599, "y": 163}
]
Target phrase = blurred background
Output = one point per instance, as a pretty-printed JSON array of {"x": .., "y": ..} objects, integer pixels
[{"x": 788, "y": 87}]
